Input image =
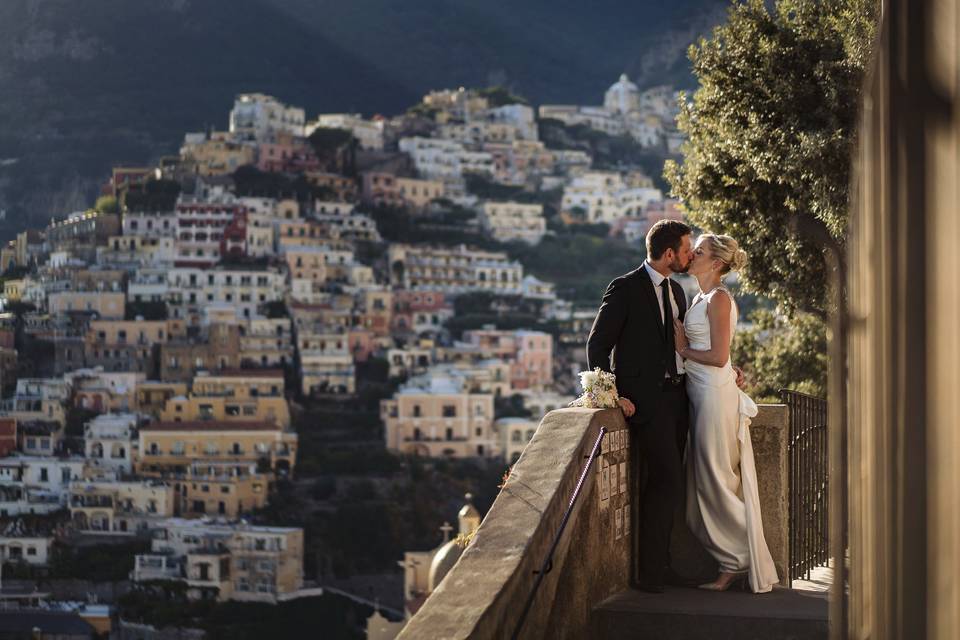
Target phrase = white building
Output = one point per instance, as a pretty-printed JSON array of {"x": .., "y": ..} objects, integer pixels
[
  {"x": 597, "y": 118},
  {"x": 446, "y": 160},
  {"x": 519, "y": 116},
  {"x": 225, "y": 560},
  {"x": 622, "y": 97},
  {"x": 109, "y": 441},
  {"x": 36, "y": 484},
  {"x": 648, "y": 116},
  {"x": 149, "y": 224},
  {"x": 605, "y": 196},
  {"x": 369, "y": 133},
  {"x": 434, "y": 159},
  {"x": 19, "y": 544},
  {"x": 256, "y": 116},
  {"x": 326, "y": 364},
  {"x": 453, "y": 269},
  {"x": 244, "y": 288},
  {"x": 506, "y": 221}
]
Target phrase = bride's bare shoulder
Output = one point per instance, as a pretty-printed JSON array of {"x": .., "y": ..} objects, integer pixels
[{"x": 720, "y": 301}]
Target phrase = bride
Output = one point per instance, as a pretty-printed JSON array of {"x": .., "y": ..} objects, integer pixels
[{"x": 723, "y": 506}]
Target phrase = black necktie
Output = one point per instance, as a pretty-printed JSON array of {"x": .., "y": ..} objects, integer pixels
[{"x": 668, "y": 328}]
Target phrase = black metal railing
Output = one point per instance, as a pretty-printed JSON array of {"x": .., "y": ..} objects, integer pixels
[
  {"x": 547, "y": 564},
  {"x": 809, "y": 482}
]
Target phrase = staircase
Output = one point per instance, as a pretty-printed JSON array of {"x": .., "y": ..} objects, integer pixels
[{"x": 694, "y": 614}]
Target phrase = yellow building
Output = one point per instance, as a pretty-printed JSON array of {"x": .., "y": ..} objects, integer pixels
[
  {"x": 232, "y": 396},
  {"x": 217, "y": 155},
  {"x": 240, "y": 384},
  {"x": 417, "y": 193},
  {"x": 234, "y": 561},
  {"x": 299, "y": 233},
  {"x": 13, "y": 290},
  {"x": 438, "y": 417},
  {"x": 181, "y": 448},
  {"x": 107, "y": 305},
  {"x": 152, "y": 395},
  {"x": 306, "y": 263},
  {"x": 115, "y": 507}
]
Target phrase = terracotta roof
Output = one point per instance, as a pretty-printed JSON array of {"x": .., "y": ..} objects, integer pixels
[{"x": 212, "y": 425}]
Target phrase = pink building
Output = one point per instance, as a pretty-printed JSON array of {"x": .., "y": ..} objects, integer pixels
[
  {"x": 530, "y": 354},
  {"x": 533, "y": 366},
  {"x": 362, "y": 344},
  {"x": 415, "y": 311},
  {"x": 287, "y": 154}
]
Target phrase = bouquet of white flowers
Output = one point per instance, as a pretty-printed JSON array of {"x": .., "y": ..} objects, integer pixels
[{"x": 599, "y": 390}]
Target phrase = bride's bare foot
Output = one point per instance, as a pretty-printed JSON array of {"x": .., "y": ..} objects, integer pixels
[{"x": 724, "y": 581}]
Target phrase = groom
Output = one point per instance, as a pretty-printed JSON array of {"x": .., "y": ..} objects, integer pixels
[{"x": 635, "y": 326}]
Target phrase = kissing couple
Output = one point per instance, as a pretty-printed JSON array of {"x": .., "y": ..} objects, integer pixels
[{"x": 674, "y": 376}]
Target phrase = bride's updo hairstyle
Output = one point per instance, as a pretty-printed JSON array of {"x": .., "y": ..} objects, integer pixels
[{"x": 726, "y": 250}]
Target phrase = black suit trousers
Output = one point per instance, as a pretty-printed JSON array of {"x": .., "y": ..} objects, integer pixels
[{"x": 658, "y": 468}]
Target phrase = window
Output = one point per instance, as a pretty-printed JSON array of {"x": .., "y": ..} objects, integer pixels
[
  {"x": 416, "y": 411},
  {"x": 449, "y": 411},
  {"x": 44, "y": 477}
]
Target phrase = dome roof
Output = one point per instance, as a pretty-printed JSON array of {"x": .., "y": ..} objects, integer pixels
[
  {"x": 624, "y": 83},
  {"x": 443, "y": 561},
  {"x": 469, "y": 511}
]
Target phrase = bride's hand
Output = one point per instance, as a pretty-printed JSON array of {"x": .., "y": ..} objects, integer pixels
[{"x": 679, "y": 337}]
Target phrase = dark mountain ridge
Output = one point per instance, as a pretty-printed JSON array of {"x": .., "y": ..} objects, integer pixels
[{"x": 87, "y": 85}]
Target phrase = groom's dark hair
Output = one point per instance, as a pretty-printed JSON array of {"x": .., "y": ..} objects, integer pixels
[{"x": 663, "y": 235}]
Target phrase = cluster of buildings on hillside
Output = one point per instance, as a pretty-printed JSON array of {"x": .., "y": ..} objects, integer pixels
[{"x": 150, "y": 347}]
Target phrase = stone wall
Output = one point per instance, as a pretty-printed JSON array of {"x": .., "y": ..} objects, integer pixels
[{"x": 484, "y": 594}]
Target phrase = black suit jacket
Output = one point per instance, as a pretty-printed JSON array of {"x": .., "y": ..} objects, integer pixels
[{"x": 629, "y": 328}]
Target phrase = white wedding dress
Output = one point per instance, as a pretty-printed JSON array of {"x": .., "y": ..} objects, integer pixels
[{"x": 723, "y": 504}]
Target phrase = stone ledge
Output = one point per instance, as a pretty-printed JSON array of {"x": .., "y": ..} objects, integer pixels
[{"x": 484, "y": 593}]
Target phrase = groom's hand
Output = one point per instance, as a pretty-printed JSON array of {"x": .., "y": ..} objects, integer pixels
[
  {"x": 627, "y": 407},
  {"x": 741, "y": 377}
]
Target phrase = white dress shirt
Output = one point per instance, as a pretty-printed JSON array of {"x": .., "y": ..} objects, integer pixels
[{"x": 656, "y": 278}]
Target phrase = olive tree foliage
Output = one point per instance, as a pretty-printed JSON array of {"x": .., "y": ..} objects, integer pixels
[{"x": 770, "y": 135}]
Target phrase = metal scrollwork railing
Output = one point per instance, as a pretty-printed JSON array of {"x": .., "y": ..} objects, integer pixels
[{"x": 808, "y": 477}]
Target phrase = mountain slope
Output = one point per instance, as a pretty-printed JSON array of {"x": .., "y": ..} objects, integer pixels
[{"x": 85, "y": 85}]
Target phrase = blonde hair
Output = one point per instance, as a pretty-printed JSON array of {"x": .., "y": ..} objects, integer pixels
[{"x": 726, "y": 250}]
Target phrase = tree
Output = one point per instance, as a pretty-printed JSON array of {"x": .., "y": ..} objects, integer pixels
[
  {"x": 770, "y": 132},
  {"x": 779, "y": 353},
  {"x": 107, "y": 204},
  {"x": 499, "y": 96},
  {"x": 157, "y": 195}
]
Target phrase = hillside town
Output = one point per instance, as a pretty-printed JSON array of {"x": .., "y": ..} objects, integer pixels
[{"x": 163, "y": 354}]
